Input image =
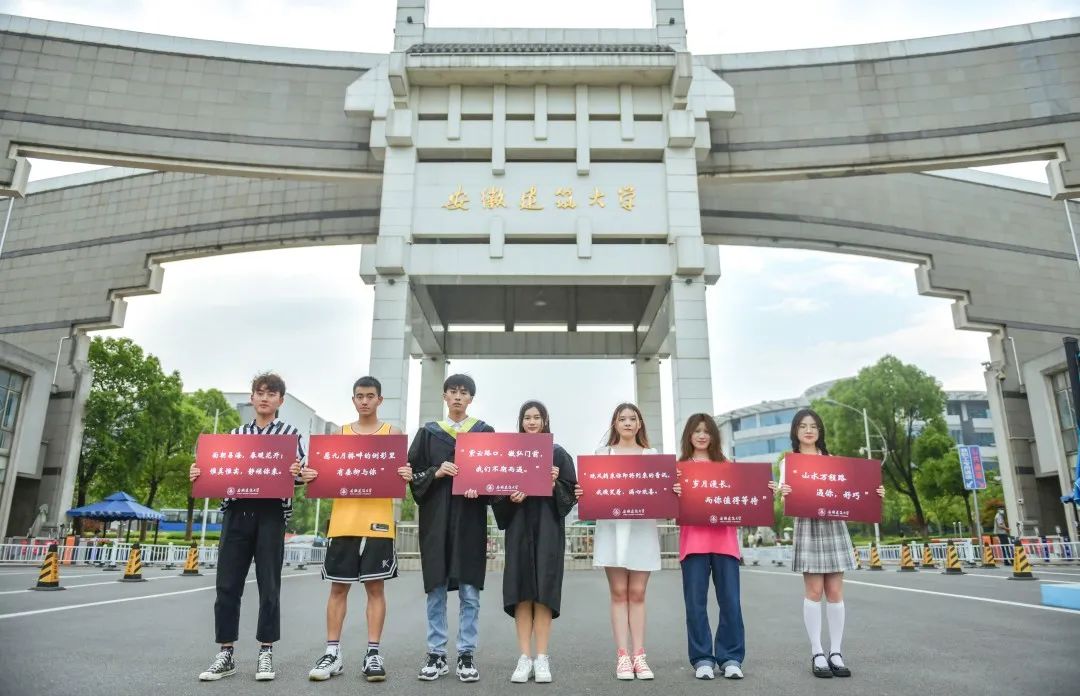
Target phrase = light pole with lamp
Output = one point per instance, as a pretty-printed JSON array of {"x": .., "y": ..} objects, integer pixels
[
  {"x": 868, "y": 450},
  {"x": 206, "y": 501}
]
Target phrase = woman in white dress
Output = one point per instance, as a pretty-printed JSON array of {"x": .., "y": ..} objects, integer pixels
[{"x": 627, "y": 550}]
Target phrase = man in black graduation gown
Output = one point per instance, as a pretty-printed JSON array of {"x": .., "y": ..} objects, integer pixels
[{"x": 453, "y": 532}]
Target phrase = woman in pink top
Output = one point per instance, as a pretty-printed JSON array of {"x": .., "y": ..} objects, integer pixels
[{"x": 705, "y": 551}]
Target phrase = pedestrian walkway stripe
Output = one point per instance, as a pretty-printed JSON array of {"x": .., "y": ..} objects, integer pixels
[
  {"x": 884, "y": 586},
  {"x": 133, "y": 599}
]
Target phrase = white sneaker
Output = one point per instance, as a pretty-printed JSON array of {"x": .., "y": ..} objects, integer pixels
[
  {"x": 704, "y": 672},
  {"x": 523, "y": 670},
  {"x": 329, "y": 665},
  {"x": 542, "y": 670},
  {"x": 732, "y": 670}
]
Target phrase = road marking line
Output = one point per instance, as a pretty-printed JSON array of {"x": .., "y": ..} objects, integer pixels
[
  {"x": 103, "y": 582},
  {"x": 63, "y": 576},
  {"x": 1074, "y": 612},
  {"x": 1006, "y": 577},
  {"x": 1036, "y": 569},
  {"x": 129, "y": 599}
]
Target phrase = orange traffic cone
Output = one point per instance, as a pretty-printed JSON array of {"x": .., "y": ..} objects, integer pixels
[
  {"x": 952, "y": 561},
  {"x": 49, "y": 576},
  {"x": 1021, "y": 564},
  {"x": 133, "y": 570},
  {"x": 927, "y": 557},
  {"x": 875, "y": 558},
  {"x": 907, "y": 563},
  {"x": 191, "y": 566}
]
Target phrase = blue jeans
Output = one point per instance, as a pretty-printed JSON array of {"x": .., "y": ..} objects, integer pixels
[
  {"x": 729, "y": 644},
  {"x": 468, "y": 619}
]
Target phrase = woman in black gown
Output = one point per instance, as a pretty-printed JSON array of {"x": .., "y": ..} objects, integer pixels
[{"x": 535, "y": 545}]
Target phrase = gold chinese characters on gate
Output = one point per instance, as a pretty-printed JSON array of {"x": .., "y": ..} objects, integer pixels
[{"x": 494, "y": 197}]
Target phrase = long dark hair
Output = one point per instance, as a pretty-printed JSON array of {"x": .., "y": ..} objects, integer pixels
[
  {"x": 642, "y": 438},
  {"x": 803, "y": 413},
  {"x": 687, "y": 446},
  {"x": 544, "y": 419}
]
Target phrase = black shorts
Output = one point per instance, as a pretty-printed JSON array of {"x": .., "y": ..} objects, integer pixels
[{"x": 359, "y": 559}]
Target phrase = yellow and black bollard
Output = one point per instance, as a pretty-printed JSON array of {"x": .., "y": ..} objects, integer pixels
[
  {"x": 907, "y": 563},
  {"x": 927, "y": 557},
  {"x": 191, "y": 565},
  {"x": 49, "y": 576},
  {"x": 133, "y": 570},
  {"x": 952, "y": 561},
  {"x": 1021, "y": 564},
  {"x": 988, "y": 560},
  {"x": 875, "y": 558},
  {"x": 858, "y": 559}
]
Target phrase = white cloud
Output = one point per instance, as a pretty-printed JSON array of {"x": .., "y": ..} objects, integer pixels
[
  {"x": 927, "y": 339},
  {"x": 845, "y": 274},
  {"x": 795, "y": 305}
]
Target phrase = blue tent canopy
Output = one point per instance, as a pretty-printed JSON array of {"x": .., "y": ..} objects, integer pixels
[{"x": 118, "y": 506}]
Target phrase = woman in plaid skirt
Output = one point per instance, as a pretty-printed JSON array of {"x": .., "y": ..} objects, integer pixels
[{"x": 822, "y": 552}]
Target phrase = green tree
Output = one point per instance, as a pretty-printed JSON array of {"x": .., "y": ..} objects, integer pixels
[
  {"x": 939, "y": 480},
  {"x": 123, "y": 376},
  {"x": 900, "y": 398}
]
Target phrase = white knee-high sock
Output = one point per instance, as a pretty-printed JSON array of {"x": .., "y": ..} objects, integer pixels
[
  {"x": 834, "y": 611},
  {"x": 811, "y": 612}
]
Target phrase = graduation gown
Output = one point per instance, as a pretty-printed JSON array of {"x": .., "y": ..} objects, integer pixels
[
  {"x": 453, "y": 528},
  {"x": 536, "y": 540}
]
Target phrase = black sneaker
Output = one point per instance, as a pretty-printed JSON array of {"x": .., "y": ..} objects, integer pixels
[
  {"x": 222, "y": 666},
  {"x": 466, "y": 668},
  {"x": 436, "y": 667},
  {"x": 264, "y": 670},
  {"x": 374, "y": 671}
]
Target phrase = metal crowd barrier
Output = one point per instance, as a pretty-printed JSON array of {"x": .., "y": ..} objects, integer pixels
[
  {"x": 578, "y": 553},
  {"x": 115, "y": 555},
  {"x": 1049, "y": 552},
  {"x": 778, "y": 555}
]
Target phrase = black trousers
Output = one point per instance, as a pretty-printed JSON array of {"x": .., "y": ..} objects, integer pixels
[{"x": 251, "y": 529}]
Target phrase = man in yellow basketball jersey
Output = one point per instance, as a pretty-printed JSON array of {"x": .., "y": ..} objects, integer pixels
[{"x": 361, "y": 549}]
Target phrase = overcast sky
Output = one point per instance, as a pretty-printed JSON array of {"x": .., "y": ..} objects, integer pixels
[{"x": 314, "y": 324}]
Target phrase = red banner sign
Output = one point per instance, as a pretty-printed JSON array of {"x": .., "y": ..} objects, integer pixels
[
  {"x": 502, "y": 463},
  {"x": 832, "y": 488},
  {"x": 716, "y": 493},
  {"x": 357, "y": 466},
  {"x": 244, "y": 466},
  {"x": 627, "y": 486}
]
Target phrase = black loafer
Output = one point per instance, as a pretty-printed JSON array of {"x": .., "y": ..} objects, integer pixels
[
  {"x": 821, "y": 672},
  {"x": 838, "y": 670}
]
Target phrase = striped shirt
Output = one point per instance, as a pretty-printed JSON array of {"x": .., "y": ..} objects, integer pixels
[{"x": 274, "y": 427}]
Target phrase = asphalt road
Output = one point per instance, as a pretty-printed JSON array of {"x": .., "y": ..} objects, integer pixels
[{"x": 919, "y": 633}]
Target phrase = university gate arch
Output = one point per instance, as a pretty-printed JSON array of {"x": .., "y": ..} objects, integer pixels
[{"x": 600, "y": 169}]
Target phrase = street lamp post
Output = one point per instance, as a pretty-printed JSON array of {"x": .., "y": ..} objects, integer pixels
[
  {"x": 206, "y": 501},
  {"x": 869, "y": 451}
]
